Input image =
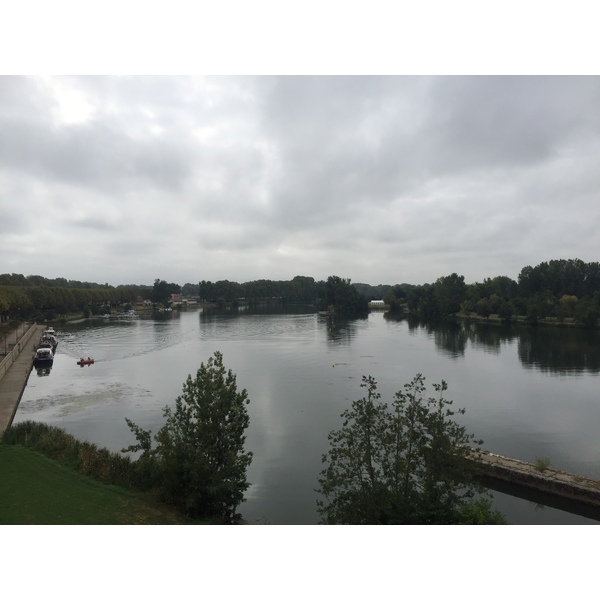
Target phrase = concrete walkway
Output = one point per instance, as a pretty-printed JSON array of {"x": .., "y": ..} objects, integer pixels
[
  {"x": 14, "y": 380},
  {"x": 552, "y": 482}
]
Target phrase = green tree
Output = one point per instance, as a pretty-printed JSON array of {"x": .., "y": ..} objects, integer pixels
[
  {"x": 199, "y": 463},
  {"x": 228, "y": 291},
  {"x": 506, "y": 311},
  {"x": 587, "y": 313},
  {"x": 206, "y": 290},
  {"x": 304, "y": 289},
  {"x": 163, "y": 290},
  {"x": 566, "y": 307},
  {"x": 343, "y": 298},
  {"x": 397, "y": 299},
  {"x": 404, "y": 464},
  {"x": 483, "y": 308},
  {"x": 4, "y": 304},
  {"x": 449, "y": 292},
  {"x": 190, "y": 289}
]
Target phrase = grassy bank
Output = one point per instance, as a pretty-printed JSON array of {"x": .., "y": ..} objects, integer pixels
[
  {"x": 51, "y": 477},
  {"x": 40, "y": 491}
]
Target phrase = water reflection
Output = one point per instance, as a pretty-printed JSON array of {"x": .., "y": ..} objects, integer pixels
[
  {"x": 489, "y": 338},
  {"x": 285, "y": 359},
  {"x": 560, "y": 350},
  {"x": 340, "y": 331},
  {"x": 548, "y": 349},
  {"x": 543, "y": 501},
  {"x": 250, "y": 322},
  {"x": 451, "y": 339},
  {"x": 233, "y": 312}
]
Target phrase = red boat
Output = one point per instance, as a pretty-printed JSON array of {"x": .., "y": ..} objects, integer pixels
[{"x": 85, "y": 361}]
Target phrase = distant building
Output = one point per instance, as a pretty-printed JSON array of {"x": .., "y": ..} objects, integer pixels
[
  {"x": 377, "y": 304},
  {"x": 179, "y": 300}
]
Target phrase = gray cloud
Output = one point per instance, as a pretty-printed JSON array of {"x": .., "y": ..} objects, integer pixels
[{"x": 381, "y": 179}]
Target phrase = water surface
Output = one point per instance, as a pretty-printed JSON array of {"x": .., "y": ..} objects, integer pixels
[{"x": 527, "y": 393}]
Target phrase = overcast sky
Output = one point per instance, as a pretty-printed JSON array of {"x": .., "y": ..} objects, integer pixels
[{"x": 378, "y": 179}]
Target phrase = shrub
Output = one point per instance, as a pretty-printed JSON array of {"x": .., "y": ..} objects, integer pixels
[
  {"x": 86, "y": 458},
  {"x": 542, "y": 463},
  {"x": 404, "y": 464}
]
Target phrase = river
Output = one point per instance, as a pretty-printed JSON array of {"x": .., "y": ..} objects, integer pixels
[{"x": 527, "y": 393}]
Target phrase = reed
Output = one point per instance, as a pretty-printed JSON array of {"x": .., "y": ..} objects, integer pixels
[{"x": 83, "y": 457}]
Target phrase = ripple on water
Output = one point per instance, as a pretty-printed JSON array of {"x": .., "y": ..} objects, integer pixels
[
  {"x": 67, "y": 404},
  {"x": 119, "y": 340}
]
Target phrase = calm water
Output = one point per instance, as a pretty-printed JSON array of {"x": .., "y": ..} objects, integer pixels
[{"x": 527, "y": 393}]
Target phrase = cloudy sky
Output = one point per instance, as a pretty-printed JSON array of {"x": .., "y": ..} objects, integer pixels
[{"x": 378, "y": 179}]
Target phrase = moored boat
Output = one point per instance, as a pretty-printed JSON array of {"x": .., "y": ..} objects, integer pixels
[
  {"x": 44, "y": 357},
  {"x": 48, "y": 341}
]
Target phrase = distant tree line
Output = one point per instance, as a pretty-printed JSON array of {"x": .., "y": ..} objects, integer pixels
[
  {"x": 15, "y": 279},
  {"x": 36, "y": 297},
  {"x": 299, "y": 290},
  {"x": 373, "y": 292},
  {"x": 336, "y": 295},
  {"x": 561, "y": 290}
]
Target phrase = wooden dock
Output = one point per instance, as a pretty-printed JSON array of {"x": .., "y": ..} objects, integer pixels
[{"x": 14, "y": 372}]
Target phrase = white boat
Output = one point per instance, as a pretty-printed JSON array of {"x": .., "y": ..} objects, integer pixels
[
  {"x": 44, "y": 357},
  {"x": 48, "y": 341}
]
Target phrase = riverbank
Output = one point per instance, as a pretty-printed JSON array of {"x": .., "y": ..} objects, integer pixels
[
  {"x": 15, "y": 368},
  {"x": 49, "y": 460},
  {"x": 39, "y": 491}
]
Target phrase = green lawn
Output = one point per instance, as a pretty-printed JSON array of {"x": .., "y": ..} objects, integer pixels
[{"x": 39, "y": 491}]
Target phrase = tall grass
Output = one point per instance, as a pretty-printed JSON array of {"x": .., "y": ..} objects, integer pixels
[{"x": 83, "y": 457}]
